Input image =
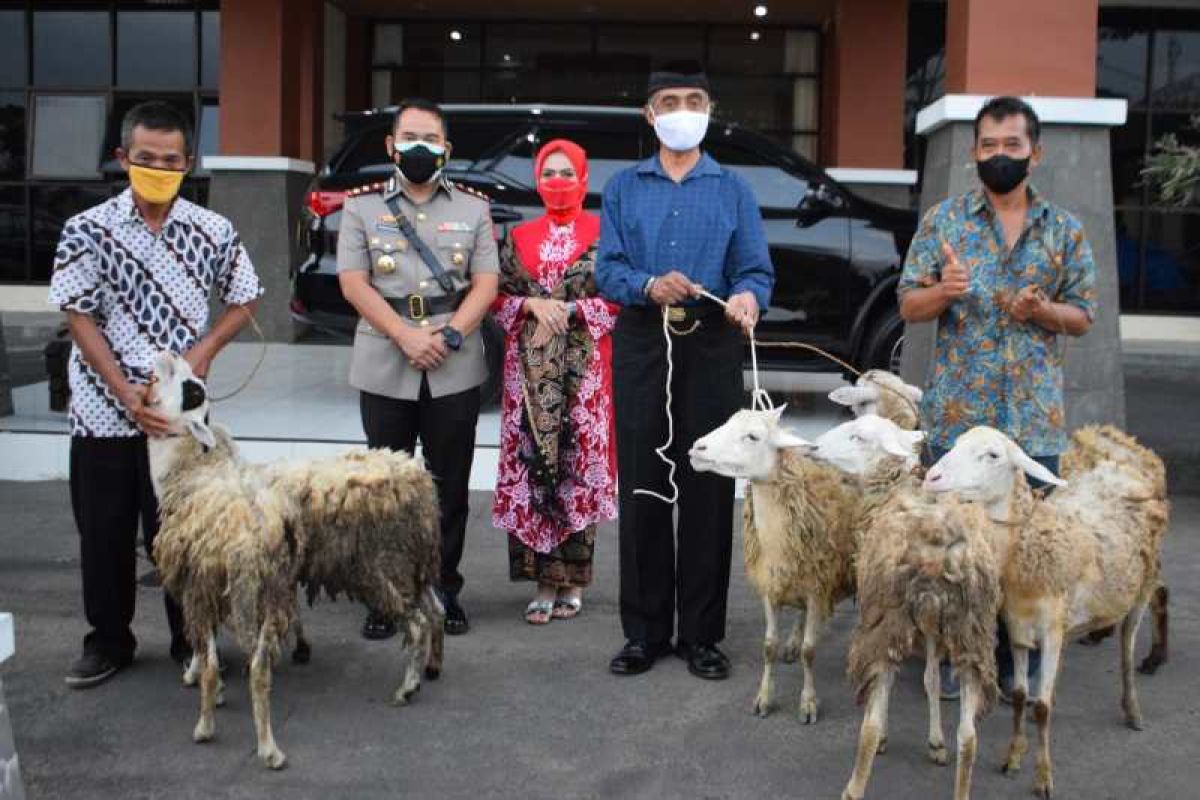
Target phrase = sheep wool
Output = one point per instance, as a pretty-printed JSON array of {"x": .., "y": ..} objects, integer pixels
[{"x": 893, "y": 400}]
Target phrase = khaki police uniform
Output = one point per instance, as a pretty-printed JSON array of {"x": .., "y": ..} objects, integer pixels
[
  {"x": 456, "y": 225},
  {"x": 400, "y": 403}
]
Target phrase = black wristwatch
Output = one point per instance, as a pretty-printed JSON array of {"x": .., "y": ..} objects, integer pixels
[{"x": 453, "y": 338}]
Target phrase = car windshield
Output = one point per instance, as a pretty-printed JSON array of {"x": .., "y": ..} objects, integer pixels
[
  {"x": 775, "y": 183},
  {"x": 610, "y": 148},
  {"x": 471, "y": 138}
]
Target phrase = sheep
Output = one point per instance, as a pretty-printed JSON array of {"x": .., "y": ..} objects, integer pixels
[
  {"x": 927, "y": 579},
  {"x": 1085, "y": 558},
  {"x": 236, "y": 539},
  {"x": 800, "y": 525},
  {"x": 1090, "y": 445},
  {"x": 883, "y": 393}
]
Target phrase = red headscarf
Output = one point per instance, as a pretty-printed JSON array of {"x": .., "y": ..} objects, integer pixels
[{"x": 563, "y": 199}]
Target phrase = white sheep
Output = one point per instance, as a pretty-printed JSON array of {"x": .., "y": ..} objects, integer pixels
[
  {"x": 236, "y": 539},
  {"x": 800, "y": 521},
  {"x": 1083, "y": 559},
  {"x": 880, "y": 392},
  {"x": 927, "y": 581}
]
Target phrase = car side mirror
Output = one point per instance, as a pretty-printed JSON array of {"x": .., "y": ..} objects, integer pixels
[{"x": 817, "y": 203}]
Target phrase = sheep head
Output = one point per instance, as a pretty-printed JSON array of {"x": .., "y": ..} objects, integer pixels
[
  {"x": 858, "y": 445},
  {"x": 182, "y": 397},
  {"x": 863, "y": 397},
  {"x": 984, "y": 465},
  {"x": 747, "y": 446}
]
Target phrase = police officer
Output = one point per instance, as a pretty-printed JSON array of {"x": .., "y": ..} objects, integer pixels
[{"x": 417, "y": 259}]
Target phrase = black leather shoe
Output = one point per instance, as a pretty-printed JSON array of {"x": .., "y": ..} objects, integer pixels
[
  {"x": 378, "y": 627},
  {"x": 456, "y": 619},
  {"x": 93, "y": 669},
  {"x": 704, "y": 660},
  {"x": 637, "y": 657}
]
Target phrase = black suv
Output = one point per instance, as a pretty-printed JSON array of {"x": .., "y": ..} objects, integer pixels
[{"x": 837, "y": 256}]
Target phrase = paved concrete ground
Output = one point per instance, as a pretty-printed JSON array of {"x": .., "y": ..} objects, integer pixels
[{"x": 533, "y": 713}]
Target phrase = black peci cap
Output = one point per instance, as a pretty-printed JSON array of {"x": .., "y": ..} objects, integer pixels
[{"x": 678, "y": 75}]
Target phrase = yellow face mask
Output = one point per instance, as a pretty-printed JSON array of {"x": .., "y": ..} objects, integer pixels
[{"x": 155, "y": 186}]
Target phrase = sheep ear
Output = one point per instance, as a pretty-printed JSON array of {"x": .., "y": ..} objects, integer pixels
[
  {"x": 777, "y": 411},
  {"x": 784, "y": 438},
  {"x": 1032, "y": 468},
  {"x": 895, "y": 441},
  {"x": 201, "y": 433},
  {"x": 853, "y": 395}
]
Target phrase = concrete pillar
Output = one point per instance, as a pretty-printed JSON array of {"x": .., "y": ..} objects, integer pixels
[
  {"x": 272, "y": 94},
  {"x": 6, "y": 403},
  {"x": 1060, "y": 38},
  {"x": 10, "y": 769}
]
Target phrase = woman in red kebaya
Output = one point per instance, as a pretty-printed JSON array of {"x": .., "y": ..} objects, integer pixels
[{"x": 557, "y": 475}]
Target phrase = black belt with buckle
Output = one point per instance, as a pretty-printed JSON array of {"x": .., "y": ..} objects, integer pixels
[
  {"x": 417, "y": 307},
  {"x": 679, "y": 316}
]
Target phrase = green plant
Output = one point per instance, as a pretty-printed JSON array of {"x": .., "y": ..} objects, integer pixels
[{"x": 1173, "y": 169}]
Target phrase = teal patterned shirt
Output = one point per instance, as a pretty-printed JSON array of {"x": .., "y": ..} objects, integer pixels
[{"x": 990, "y": 369}]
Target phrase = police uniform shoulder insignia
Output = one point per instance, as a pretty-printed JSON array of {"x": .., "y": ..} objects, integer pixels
[
  {"x": 462, "y": 187},
  {"x": 370, "y": 188}
]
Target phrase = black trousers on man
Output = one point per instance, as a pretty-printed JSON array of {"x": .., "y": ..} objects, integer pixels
[
  {"x": 111, "y": 492},
  {"x": 446, "y": 428},
  {"x": 663, "y": 566}
]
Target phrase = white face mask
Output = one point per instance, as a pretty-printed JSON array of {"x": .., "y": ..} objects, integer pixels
[{"x": 681, "y": 130}]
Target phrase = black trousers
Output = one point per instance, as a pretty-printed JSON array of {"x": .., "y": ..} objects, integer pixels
[
  {"x": 446, "y": 428},
  {"x": 111, "y": 493},
  {"x": 661, "y": 566}
]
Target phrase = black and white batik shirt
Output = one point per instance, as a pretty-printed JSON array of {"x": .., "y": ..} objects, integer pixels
[{"x": 147, "y": 292}]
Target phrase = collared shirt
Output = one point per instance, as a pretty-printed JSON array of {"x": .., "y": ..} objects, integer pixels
[
  {"x": 707, "y": 227},
  {"x": 990, "y": 369},
  {"x": 456, "y": 224},
  {"x": 147, "y": 291}
]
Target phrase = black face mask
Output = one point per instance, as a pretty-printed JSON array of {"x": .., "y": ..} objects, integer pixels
[
  {"x": 1002, "y": 174},
  {"x": 419, "y": 164}
]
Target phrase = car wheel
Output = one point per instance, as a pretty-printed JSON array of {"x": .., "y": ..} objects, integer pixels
[
  {"x": 885, "y": 343},
  {"x": 493, "y": 348}
]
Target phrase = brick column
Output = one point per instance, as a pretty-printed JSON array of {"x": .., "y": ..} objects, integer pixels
[{"x": 1055, "y": 72}]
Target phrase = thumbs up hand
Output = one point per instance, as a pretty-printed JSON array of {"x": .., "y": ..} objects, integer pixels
[{"x": 956, "y": 281}]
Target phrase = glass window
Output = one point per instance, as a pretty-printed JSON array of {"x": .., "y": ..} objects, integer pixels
[
  {"x": 441, "y": 86},
  {"x": 760, "y": 103},
  {"x": 12, "y": 135},
  {"x": 751, "y": 51},
  {"x": 1181, "y": 125},
  {"x": 1121, "y": 56},
  {"x": 12, "y": 234},
  {"x": 71, "y": 49},
  {"x": 210, "y": 52},
  {"x": 640, "y": 48},
  {"x": 12, "y": 48},
  {"x": 68, "y": 134},
  {"x": 156, "y": 49},
  {"x": 51, "y": 206},
  {"x": 610, "y": 149},
  {"x": 774, "y": 185},
  {"x": 208, "y": 135},
  {"x": 1128, "y": 144},
  {"x": 441, "y": 45},
  {"x": 539, "y": 47},
  {"x": 1176, "y": 77},
  {"x": 388, "y": 47},
  {"x": 1128, "y": 224},
  {"x": 1171, "y": 276}
]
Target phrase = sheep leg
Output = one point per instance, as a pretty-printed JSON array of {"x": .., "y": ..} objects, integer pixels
[
  {"x": 968, "y": 743},
  {"x": 933, "y": 696},
  {"x": 437, "y": 635},
  {"x": 1017, "y": 744},
  {"x": 795, "y": 640},
  {"x": 1158, "y": 646},
  {"x": 1043, "y": 781},
  {"x": 871, "y": 733},
  {"x": 302, "y": 653},
  {"x": 1129, "y": 698},
  {"x": 260, "y": 694},
  {"x": 813, "y": 623},
  {"x": 418, "y": 656},
  {"x": 762, "y": 702},
  {"x": 210, "y": 679}
]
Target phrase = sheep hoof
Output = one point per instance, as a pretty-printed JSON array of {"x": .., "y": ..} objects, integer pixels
[
  {"x": 204, "y": 731},
  {"x": 403, "y": 696},
  {"x": 302, "y": 654},
  {"x": 1151, "y": 663},
  {"x": 791, "y": 653},
  {"x": 1010, "y": 768},
  {"x": 272, "y": 758},
  {"x": 938, "y": 754},
  {"x": 847, "y": 796},
  {"x": 433, "y": 673},
  {"x": 1044, "y": 792},
  {"x": 808, "y": 710},
  {"x": 1134, "y": 722},
  {"x": 882, "y": 747}
]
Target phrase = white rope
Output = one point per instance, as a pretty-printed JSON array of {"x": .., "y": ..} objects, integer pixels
[{"x": 759, "y": 401}]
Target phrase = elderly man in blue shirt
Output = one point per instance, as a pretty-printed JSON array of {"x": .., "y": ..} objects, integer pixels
[{"x": 673, "y": 224}]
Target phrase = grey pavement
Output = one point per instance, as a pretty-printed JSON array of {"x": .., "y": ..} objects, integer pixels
[{"x": 532, "y": 712}]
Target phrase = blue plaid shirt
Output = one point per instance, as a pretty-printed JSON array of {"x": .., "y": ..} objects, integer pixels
[{"x": 707, "y": 226}]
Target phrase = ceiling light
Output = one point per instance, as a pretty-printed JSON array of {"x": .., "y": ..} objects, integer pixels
[
  {"x": 456, "y": 35},
  {"x": 755, "y": 36},
  {"x": 760, "y": 11}
]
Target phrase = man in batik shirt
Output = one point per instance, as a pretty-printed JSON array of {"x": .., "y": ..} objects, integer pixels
[{"x": 1004, "y": 273}]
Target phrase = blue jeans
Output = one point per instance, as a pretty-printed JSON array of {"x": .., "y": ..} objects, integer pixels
[{"x": 1004, "y": 659}]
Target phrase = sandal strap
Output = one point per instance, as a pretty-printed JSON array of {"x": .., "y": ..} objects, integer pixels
[
  {"x": 575, "y": 603},
  {"x": 539, "y": 607}
]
